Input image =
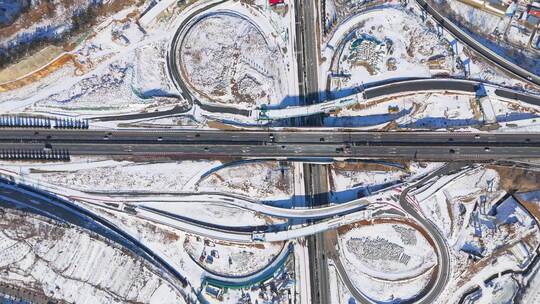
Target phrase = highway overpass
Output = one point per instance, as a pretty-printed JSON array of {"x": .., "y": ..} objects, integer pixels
[{"x": 300, "y": 144}]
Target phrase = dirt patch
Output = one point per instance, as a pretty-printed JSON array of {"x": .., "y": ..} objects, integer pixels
[
  {"x": 477, "y": 112},
  {"x": 532, "y": 207},
  {"x": 41, "y": 73},
  {"x": 371, "y": 70},
  {"x": 219, "y": 177},
  {"x": 516, "y": 178},
  {"x": 19, "y": 228},
  {"x": 365, "y": 166},
  {"x": 366, "y": 105},
  {"x": 221, "y": 126},
  {"x": 30, "y": 64},
  {"x": 521, "y": 108}
]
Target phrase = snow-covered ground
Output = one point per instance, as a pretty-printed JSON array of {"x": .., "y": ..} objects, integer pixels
[
  {"x": 387, "y": 261},
  {"x": 268, "y": 180},
  {"x": 66, "y": 263},
  {"x": 273, "y": 183},
  {"x": 111, "y": 75},
  {"x": 231, "y": 259},
  {"x": 170, "y": 244},
  {"x": 347, "y": 176},
  {"x": 397, "y": 44},
  {"x": 111, "y": 176},
  {"x": 484, "y": 26},
  {"x": 348, "y": 181},
  {"x": 437, "y": 111},
  {"x": 50, "y": 23},
  {"x": 340, "y": 293},
  {"x": 420, "y": 111},
  {"x": 404, "y": 251},
  {"x": 486, "y": 230},
  {"x": 380, "y": 41},
  {"x": 501, "y": 289},
  {"x": 227, "y": 59},
  {"x": 240, "y": 54},
  {"x": 279, "y": 290},
  {"x": 214, "y": 214}
]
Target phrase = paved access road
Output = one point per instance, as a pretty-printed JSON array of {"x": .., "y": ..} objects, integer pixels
[{"x": 286, "y": 144}]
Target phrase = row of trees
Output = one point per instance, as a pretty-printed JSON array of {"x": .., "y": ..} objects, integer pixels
[
  {"x": 16, "y": 154},
  {"x": 47, "y": 123}
]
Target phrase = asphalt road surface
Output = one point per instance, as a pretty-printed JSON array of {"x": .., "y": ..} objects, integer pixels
[
  {"x": 308, "y": 62},
  {"x": 316, "y": 185},
  {"x": 316, "y": 181},
  {"x": 301, "y": 144},
  {"x": 263, "y": 137}
]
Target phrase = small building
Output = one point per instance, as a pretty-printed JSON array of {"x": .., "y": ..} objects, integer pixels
[
  {"x": 276, "y": 2},
  {"x": 533, "y": 16}
]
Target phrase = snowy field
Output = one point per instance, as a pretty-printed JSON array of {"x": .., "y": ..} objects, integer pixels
[
  {"x": 503, "y": 289},
  {"x": 407, "y": 49},
  {"x": 227, "y": 59},
  {"x": 231, "y": 259},
  {"x": 110, "y": 176},
  {"x": 386, "y": 43},
  {"x": 348, "y": 181},
  {"x": 384, "y": 40},
  {"x": 170, "y": 244},
  {"x": 110, "y": 74},
  {"x": 348, "y": 176},
  {"x": 419, "y": 111},
  {"x": 388, "y": 251},
  {"x": 487, "y": 230},
  {"x": 260, "y": 180},
  {"x": 387, "y": 260},
  {"x": 238, "y": 53},
  {"x": 65, "y": 263}
]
